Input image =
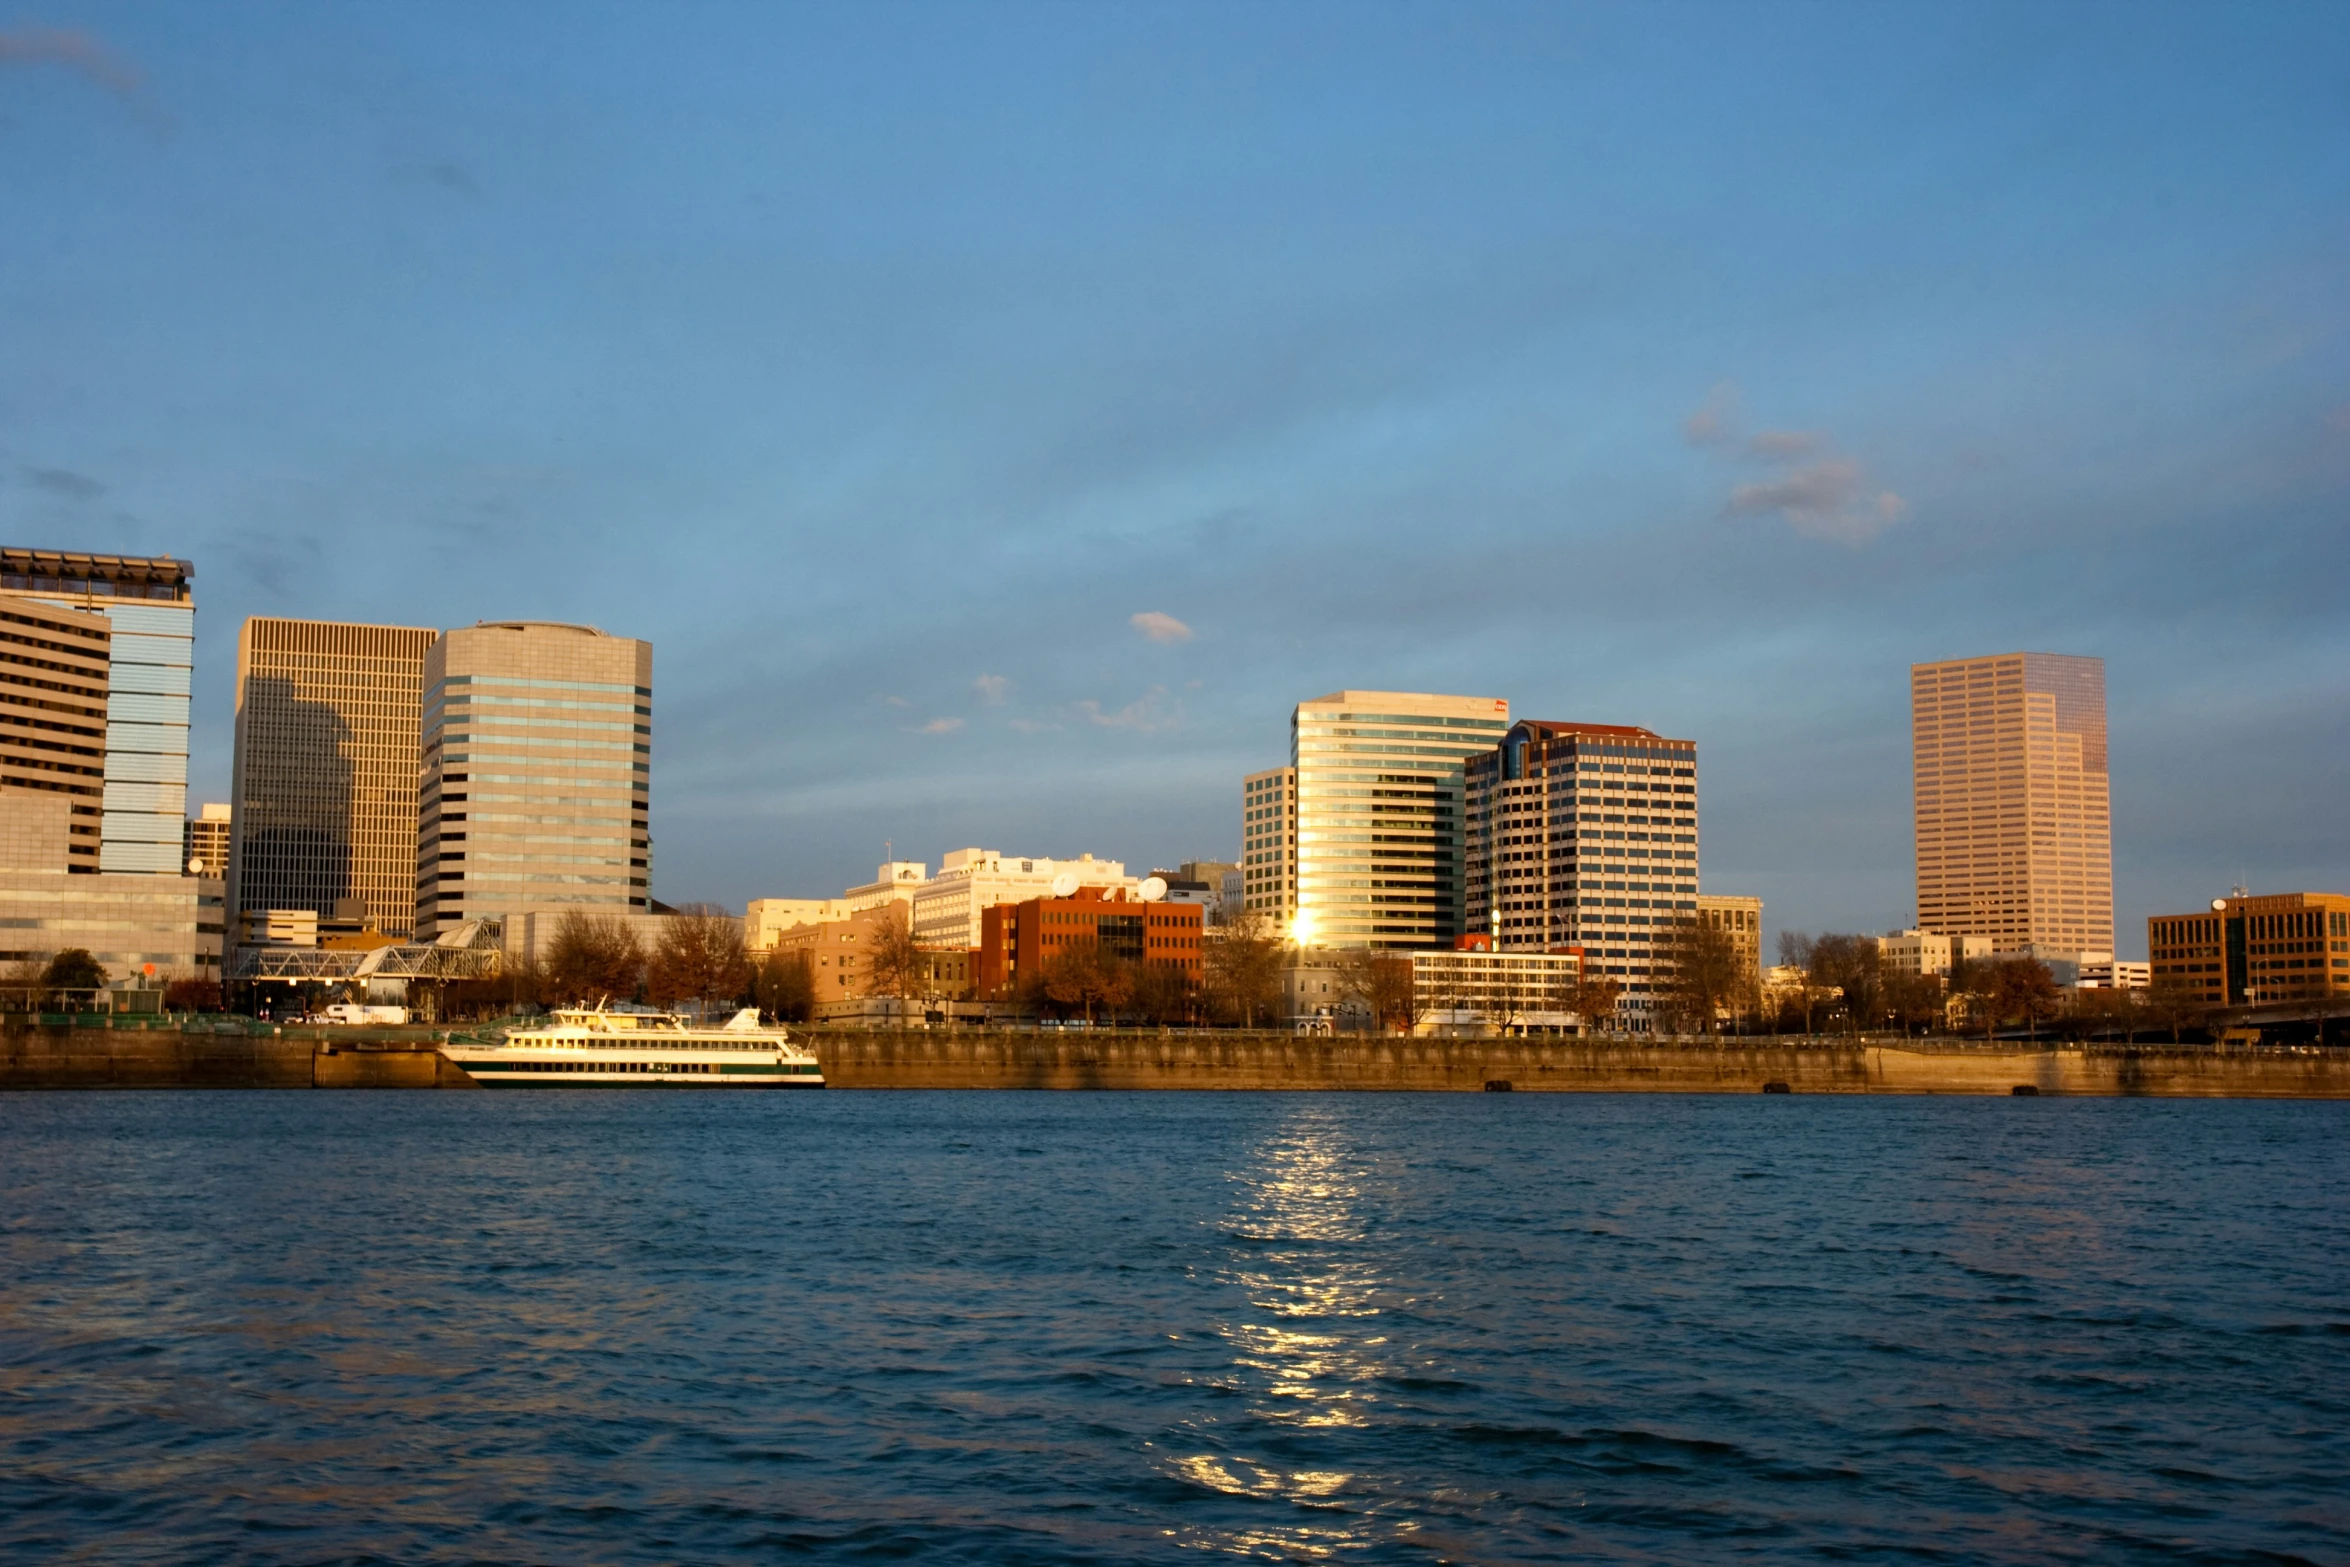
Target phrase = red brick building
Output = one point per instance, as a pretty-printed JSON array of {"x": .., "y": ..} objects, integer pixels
[{"x": 1017, "y": 938}]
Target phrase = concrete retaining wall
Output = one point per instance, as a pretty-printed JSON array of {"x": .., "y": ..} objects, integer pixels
[{"x": 83, "y": 1057}]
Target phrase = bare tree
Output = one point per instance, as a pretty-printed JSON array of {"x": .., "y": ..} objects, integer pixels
[
  {"x": 1850, "y": 964},
  {"x": 1243, "y": 967},
  {"x": 1704, "y": 974},
  {"x": 2018, "y": 987},
  {"x": 699, "y": 957},
  {"x": 1595, "y": 1001},
  {"x": 2174, "y": 1003},
  {"x": 593, "y": 958},
  {"x": 1082, "y": 975},
  {"x": 894, "y": 965},
  {"x": 786, "y": 987},
  {"x": 1382, "y": 983}
]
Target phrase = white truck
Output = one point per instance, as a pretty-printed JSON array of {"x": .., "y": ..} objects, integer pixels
[{"x": 351, "y": 1012}]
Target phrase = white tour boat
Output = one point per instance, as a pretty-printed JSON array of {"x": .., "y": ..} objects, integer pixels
[{"x": 599, "y": 1049}]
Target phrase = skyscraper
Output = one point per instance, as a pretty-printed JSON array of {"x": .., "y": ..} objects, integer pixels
[
  {"x": 537, "y": 773},
  {"x": 149, "y": 605},
  {"x": 324, "y": 794},
  {"x": 1377, "y": 858},
  {"x": 1268, "y": 843},
  {"x": 53, "y": 668},
  {"x": 2014, "y": 833},
  {"x": 205, "y": 849},
  {"x": 1585, "y": 835}
]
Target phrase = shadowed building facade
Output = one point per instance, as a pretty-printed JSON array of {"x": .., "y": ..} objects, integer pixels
[
  {"x": 324, "y": 792},
  {"x": 53, "y": 669},
  {"x": 536, "y": 774},
  {"x": 2013, "y": 806}
]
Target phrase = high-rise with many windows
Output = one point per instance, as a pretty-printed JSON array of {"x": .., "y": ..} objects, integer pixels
[
  {"x": 2013, "y": 807},
  {"x": 1268, "y": 843},
  {"x": 150, "y": 609},
  {"x": 537, "y": 773},
  {"x": 53, "y": 667},
  {"x": 324, "y": 791},
  {"x": 1378, "y": 855},
  {"x": 1585, "y": 835}
]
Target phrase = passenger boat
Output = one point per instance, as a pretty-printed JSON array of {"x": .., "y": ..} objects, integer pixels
[{"x": 600, "y": 1049}]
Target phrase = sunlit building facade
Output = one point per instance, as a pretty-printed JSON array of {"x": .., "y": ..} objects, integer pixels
[
  {"x": 328, "y": 748},
  {"x": 536, "y": 775},
  {"x": 1268, "y": 843},
  {"x": 2013, "y": 806},
  {"x": 1379, "y": 856}
]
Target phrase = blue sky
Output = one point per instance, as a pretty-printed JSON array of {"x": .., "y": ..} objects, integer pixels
[{"x": 1691, "y": 366}]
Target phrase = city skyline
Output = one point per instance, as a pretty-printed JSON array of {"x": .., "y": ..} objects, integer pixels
[{"x": 1053, "y": 456}]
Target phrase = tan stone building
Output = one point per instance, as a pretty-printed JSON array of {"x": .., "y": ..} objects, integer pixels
[
  {"x": 204, "y": 849},
  {"x": 837, "y": 955},
  {"x": 1742, "y": 918},
  {"x": 1268, "y": 843},
  {"x": 325, "y": 773},
  {"x": 2012, "y": 804},
  {"x": 536, "y": 769}
]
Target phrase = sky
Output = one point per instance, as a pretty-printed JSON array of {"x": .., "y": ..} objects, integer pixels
[{"x": 998, "y": 417}]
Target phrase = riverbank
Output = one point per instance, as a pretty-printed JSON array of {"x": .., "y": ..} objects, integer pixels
[{"x": 231, "y": 1055}]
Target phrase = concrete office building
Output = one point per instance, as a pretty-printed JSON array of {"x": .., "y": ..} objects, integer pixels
[
  {"x": 1268, "y": 843},
  {"x": 766, "y": 919},
  {"x": 150, "y": 610},
  {"x": 1378, "y": 853},
  {"x": 1585, "y": 835},
  {"x": 1926, "y": 952},
  {"x": 1742, "y": 918},
  {"x": 53, "y": 672},
  {"x": 144, "y": 929},
  {"x": 2013, "y": 807},
  {"x": 536, "y": 774},
  {"x": 204, "y": 847},
  {"x": 328, "y": 747},
  {"x": 1477, "y": 990},
  {"x": 2250, "y": 951},
  {"x": 948, "y": 908},
  {"x": 896, "y": 882}
]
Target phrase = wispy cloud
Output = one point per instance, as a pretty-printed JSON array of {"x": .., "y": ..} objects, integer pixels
[
  {"x": 1146, "y": 714},
  {"x": 991, "y": 688},
  {"x": 77, "y": 52},
  {"x": 1160, "y": 627},
  {"x": 64, "y": 481},
  {"x": 1716, "y": 421},
  {"x": 1827, "y": 500},
  {"x": 940, "y": 726},
  {"x": 1782, "y": 445},
  {"x": 1032, "y": 726},
  {"x": 1828, "y": 497}
]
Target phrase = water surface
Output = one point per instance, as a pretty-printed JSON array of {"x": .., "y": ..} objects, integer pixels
[{"x": 642, "y": 1327}]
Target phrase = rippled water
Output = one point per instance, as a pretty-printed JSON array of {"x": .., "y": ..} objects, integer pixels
[{"x": 314, "y": 1327}]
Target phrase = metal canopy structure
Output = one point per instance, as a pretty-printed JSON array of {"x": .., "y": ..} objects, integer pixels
[{"x": 473, "y": 950}]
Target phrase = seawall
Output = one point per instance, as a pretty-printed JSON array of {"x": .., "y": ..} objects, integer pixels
[{"x": 232, "y": 1056}]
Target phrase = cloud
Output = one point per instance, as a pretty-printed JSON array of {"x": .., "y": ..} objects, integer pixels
[
  {"x": 940, "y": 726},
  {"x": 1032, "y": 726},
  {"x": 897, "y": 701},
  {"x": 1160, "y": 627},
  {"x": 64, "y": 481},
  {"x": 77, "y": 52},
  {"x": 991, "y": 689},
  {"x": 1826, "y": 500},
  {"x": 1147, "y": 714},
  {"x": 1782, "y": 445},
  {"x": 1716, "y": 421}
]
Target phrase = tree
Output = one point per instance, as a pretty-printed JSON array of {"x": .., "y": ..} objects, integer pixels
[
  {"x": 2021, "y": 988},
  {"x": 187, "y": 993},
  {"x": 1913, "y": 1000},
  {"x": 1850, "y": 964},
  {"x": 1704, "y": 974},
  {"x": 593, "y": 958},
  {"x": 894, "y": 965},
  {"x": 1243, "y": 968},
  {"x": 1382, "y": 983},
  {"x": 1164, "y": 993},
  {"x": 699, "y": 957},
  {"x": 74, "y": 969},
  {"x": 2174, "y": 1002},
  {"x": 1795, "y": 952},
  {"x": 786, "y": 987},
  {"x": 1082, "y": 975},
  {"x": 1595, "y": 1000}
]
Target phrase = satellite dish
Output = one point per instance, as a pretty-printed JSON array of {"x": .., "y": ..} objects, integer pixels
[
  {"x": 2219, "y": 905},
  {"x": 1065, "y": 884},
  {"x": 1153, "y": 888},
  {"x": 195, "y": 867}
]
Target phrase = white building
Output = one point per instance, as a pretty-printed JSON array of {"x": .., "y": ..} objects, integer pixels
[
  {"x": 1486, "y": 991},
  {"x": 896, "y": 882},
  {"x": 947, "y": 907},
  {"x": 2116, "y": 974},
  {"x": 765, "y": 919},
  {"x": 1929, "y": 952}
]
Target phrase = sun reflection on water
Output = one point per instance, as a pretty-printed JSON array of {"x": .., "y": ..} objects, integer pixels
[{"x": 1307, "y": 1345}]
